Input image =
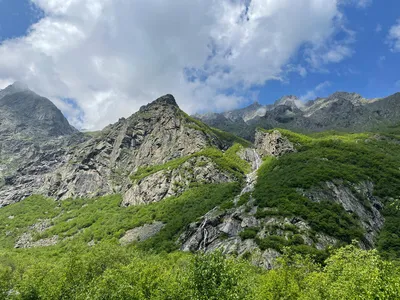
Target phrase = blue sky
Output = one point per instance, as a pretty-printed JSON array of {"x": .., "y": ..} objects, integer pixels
[
  {"x": 97, "y": 64},
  {"x": 372, "y": 70}
]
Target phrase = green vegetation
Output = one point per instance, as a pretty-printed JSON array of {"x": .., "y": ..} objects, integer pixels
[
  {"x": 102, "y": 219},
  {"x": 249, "y": 233},
  {"x": 244, "y": 198},
  {"x": 222, "y": 135},
  {"x": 228, "y": 161},
  {"x": 331, "y": 156},
  {"x": 108, "y": 271},
  {"x": 92, "y": 134},
  {"x": 153, "y": 269}
]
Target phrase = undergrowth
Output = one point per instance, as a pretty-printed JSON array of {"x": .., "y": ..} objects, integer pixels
[{"x": 328, "y": 156}]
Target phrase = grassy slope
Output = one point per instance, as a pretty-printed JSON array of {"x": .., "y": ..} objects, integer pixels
[
  {"x": 101, "y": 219},
  {"x": 226, "y": 161},
  {"x": 327, "y": 156}
]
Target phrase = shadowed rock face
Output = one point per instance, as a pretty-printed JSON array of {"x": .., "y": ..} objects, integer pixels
[
  {"x": 358, "y": 200},
  {"x": 25, "y": 113},
  {"x": 34, "y": 137}
]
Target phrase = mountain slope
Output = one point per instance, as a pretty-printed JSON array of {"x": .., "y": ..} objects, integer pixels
[
  {"x": 340, "y": 111},
  {"x": 162, "y": 181},
  {"x": 312, "y": 192},
  {"x": 34, "y": 137},
  {"x": 24, "y": 113},
  {"x": 156, "y": 134}
]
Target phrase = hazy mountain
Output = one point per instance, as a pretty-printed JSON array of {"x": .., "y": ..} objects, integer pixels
[{"x": 340, "y": 111}]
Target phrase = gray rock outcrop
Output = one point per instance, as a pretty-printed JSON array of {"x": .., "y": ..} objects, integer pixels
[
  {"x": 141, "y": 233},
  {"x": 166, "y": 183},
  {"x": 272, "y": 144},
  {"x": 357, "y": 199}
]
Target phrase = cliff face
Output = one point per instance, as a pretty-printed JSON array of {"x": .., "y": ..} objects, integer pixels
[{"x": 34, "y": 138}]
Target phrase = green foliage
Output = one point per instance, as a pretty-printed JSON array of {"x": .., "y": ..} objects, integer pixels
[
  {"x": 215, "y": 278},
  {"x": 273, "y": 242},
  {"x": 14, "y": 219},
  {"x": 350, "y": 273},
  {"x": 108, "y": 271},
  {"x": 389, "y": 239},
  {"x": 249, "y": 233},
  {"x": 244, "y": 198},
  {"x": 146, "y": 171},
  {"x": 325, "y": 157},
  {"x": 230, "y": 138},
  {"x": 228, "y": 161},
  {"x": 103, "y": 218},
  {"x": 222, "y": 135},
  {"x": 234, "y": 159}
]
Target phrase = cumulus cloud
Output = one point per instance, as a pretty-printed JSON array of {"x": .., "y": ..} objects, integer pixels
[
  {"x": 109, "y": 57},
  {"x": 394, "y": 37},
  {"x": 312, "y": 94}
]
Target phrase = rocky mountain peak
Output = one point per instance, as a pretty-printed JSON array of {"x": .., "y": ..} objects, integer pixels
[
  {"x": 255, "y": 105},
  {"x": 166, "y": 100},
  {"x": 289, "y": 100},
  {"x": 352, "y": 97},
  {"x": 25, "y": 113},
  {"x": 16, "y": 87}
]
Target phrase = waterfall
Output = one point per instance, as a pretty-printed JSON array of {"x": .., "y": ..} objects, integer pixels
[{"x": 251, "y": 178}]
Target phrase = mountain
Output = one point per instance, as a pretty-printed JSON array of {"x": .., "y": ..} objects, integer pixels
[
  {"x": 162, "y": 182},
  {"x": 340, "y": 111},
  {"x": 156, "y": 134},
  {"x": 34, "y": 135},
  {"x": 27, "y": 114}
]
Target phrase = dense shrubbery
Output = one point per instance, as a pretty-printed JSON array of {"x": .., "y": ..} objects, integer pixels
[
  {"x": 109, "y": 271},
  {"x": 104, "y": 219},
  {"x": 328, "y": 156}
]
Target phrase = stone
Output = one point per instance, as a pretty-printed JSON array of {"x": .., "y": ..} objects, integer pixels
[
  {"x": 166, "y": 183},
  {"x": 272, "y": 144},
  {"x": 351, "y": 196},
  {"x": 141, "y": 233}
]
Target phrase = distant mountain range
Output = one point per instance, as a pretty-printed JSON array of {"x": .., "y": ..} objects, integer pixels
[{"x": 340, "y": 111}]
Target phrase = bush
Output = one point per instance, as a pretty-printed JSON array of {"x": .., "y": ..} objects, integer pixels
[{"x": 249, "y": 233}]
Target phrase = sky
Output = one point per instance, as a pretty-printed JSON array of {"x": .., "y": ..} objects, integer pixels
[{"x": 99, "y": 60}]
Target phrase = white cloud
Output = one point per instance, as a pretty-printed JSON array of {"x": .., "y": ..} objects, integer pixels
[
  {"x": 5, "y": 82},
  {"x": 394, "y": 37},
  {"x": 112, "y": 56},
  {"x": 312, "y": 94},
  {"x": 358, "y": 3},
  {"x": 363, "y": 3}
]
